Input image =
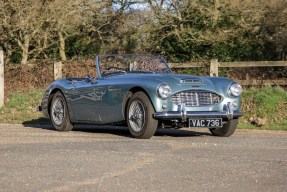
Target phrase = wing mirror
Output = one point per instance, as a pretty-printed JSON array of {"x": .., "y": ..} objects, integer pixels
[{"x": 88, "y": 78}]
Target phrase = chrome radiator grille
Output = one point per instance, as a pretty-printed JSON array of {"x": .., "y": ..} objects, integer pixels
[{"x": 196, "y": 98}]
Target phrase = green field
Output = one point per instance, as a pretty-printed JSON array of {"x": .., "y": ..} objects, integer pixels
[
  {"x": 264, "y": 108},
  {"x": 21, "y": 108}
]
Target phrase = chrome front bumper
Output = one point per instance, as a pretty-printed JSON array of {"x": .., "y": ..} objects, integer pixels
[{"x": 183, "y": 114}]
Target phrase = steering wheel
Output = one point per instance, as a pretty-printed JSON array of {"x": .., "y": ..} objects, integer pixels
[{"x": 117, "y": 68}]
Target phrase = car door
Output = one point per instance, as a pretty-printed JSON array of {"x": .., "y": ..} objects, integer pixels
[
  {"x": 84, "y": 101},
  {"x": 110, "y": 94}
]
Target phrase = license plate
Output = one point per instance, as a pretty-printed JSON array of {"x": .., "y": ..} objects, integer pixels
[{"x": 211, "y": 123}]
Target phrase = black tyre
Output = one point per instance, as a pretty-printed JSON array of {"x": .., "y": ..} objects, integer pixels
[
  {"x": 227, "y": 129},
  {"x": 140, "y": 119},
  {"x": 59, "y": 113}
]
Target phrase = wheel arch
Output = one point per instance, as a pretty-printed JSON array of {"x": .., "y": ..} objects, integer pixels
[
  {"x": 129, "y": 94},
  {"x": 51, "y": 95}
]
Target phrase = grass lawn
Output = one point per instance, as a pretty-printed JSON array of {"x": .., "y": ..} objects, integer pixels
[
  {"x": 264, "y": 108},
  {"x": 21, "y": 108}
]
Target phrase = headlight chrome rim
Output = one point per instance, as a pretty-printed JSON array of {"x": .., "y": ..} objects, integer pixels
[
  {"x": 164, "y": 91},
  {"x": 235, "y": 89}
]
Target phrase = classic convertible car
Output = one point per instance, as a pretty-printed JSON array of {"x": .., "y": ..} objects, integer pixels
[{"x": 143, "y": 93}]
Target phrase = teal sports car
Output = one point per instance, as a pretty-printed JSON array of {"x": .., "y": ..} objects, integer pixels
[{"x": 144, "y": 94}]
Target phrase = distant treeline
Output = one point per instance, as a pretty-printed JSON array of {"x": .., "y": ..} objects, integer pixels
[{"x": 181, "y": 30}]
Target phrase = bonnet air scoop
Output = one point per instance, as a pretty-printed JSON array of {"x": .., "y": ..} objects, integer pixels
[{"x": 191, "y": 80}]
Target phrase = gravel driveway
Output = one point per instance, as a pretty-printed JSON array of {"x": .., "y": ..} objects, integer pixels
[{"x": 37, "y": 158}]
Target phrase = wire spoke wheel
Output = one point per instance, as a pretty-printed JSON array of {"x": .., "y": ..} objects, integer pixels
[
  {"x": 139, "y": 116},
  {"x": 136, "y": 116},
  {"x": 59, "y": 113}
]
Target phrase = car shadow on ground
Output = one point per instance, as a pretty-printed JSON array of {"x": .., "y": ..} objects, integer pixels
[
  {"x": 124, "y": 131},
  {"x": 42, "y": 123}
]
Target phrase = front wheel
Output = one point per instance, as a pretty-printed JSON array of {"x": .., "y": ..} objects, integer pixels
[
  {"x": 59, "y": 113},
  {"x": 227, "y": 129},
  {"x": 139, "y": 116}
]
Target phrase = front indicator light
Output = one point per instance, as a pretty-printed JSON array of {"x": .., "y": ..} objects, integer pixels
[{"x": 235, "y": 104}]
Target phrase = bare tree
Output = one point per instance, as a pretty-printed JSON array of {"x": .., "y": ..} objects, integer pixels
[
  {"x": 21, "y": 22},
  {"x": 268, "y": 20},
  {"x": 274, "y": 27},
  {"x": 36, "y": 25},
  {"x": 64, "y": 18},
  {"x": 111, "y": 25}
]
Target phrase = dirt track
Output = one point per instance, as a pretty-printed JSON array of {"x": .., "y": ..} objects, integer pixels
[{"x": 107, "y": 159}]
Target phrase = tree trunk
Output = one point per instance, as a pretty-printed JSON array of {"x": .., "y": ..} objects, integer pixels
[
  {"x": 8, "y": 51},
  {"x": 216, "y": 11},
  {"x": 62, "y": 46},
  {"x": 1, "y": 78},
  {"x": 25, "y": 50}
]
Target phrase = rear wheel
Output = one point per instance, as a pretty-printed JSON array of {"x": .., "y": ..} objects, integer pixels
[
  {"x": 59, "y": 113},
  {"x": 227, "y": 129},
  {"x": 140, "y": 116}
]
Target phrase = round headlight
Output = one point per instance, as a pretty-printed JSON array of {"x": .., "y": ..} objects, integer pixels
[
  {"x": 235, "y": 89},
  {"x": 164, "y": 91}
]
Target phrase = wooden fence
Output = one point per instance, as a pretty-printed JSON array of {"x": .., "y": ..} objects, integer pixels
[{"x": 214, "y": 66}]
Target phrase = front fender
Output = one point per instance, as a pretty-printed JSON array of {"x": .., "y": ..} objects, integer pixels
[{"x": 48, "y": 96}]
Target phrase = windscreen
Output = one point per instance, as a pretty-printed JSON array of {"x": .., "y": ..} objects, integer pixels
[{"x": 111, "y": 64}]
